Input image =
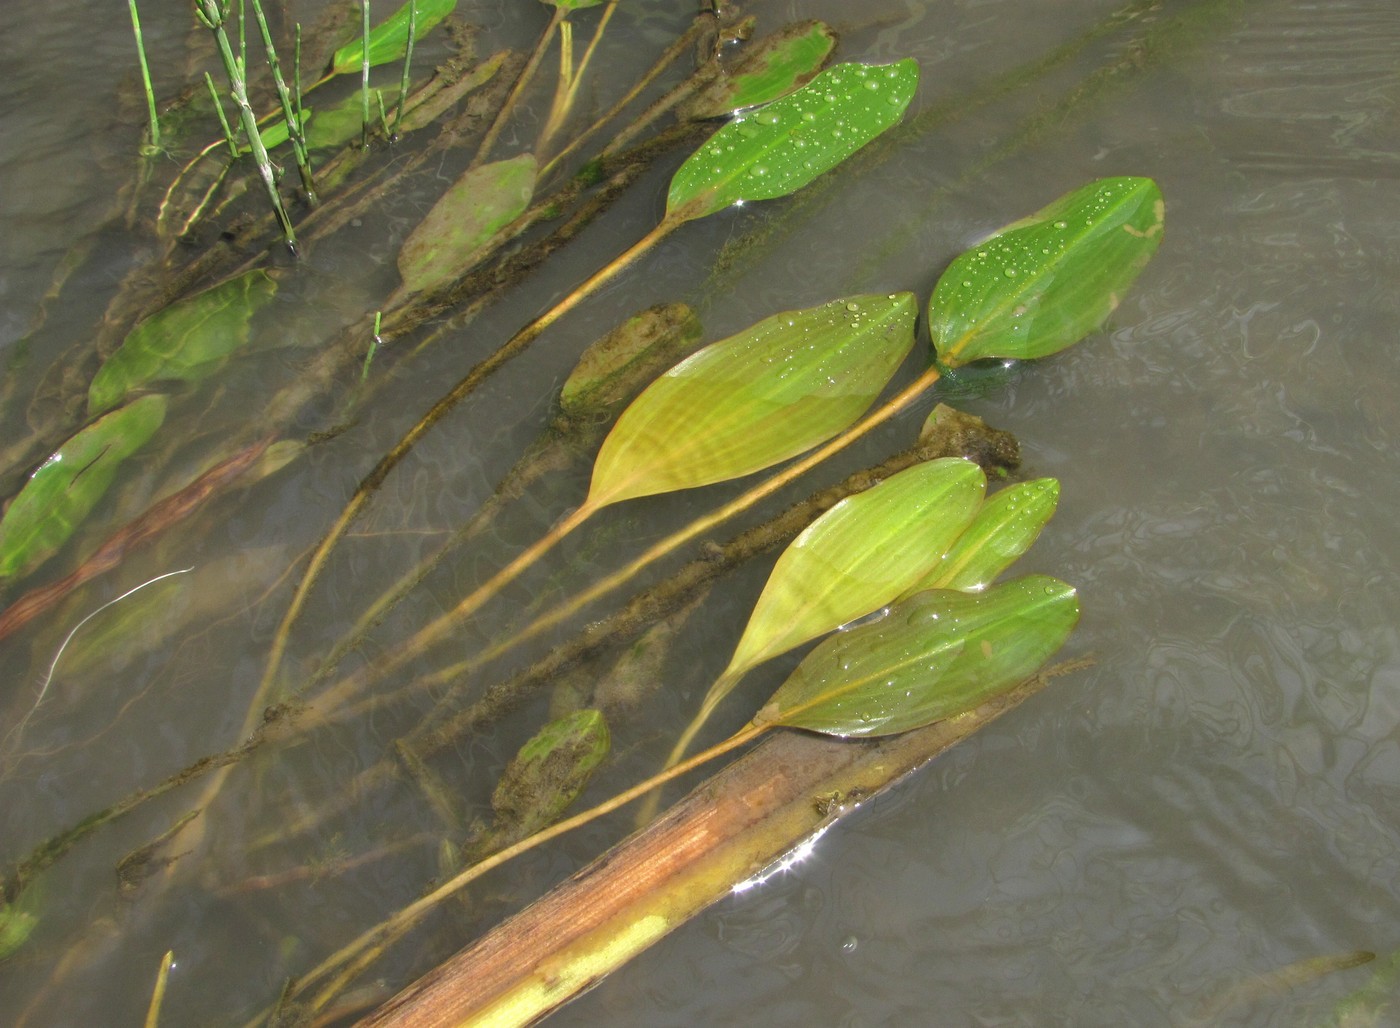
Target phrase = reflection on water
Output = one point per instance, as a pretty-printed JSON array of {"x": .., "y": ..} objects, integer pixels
[{"x": 1214, "y": 801}]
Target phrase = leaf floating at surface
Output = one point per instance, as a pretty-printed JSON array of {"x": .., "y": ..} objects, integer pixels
[
  {"x": 572, "y": 5},
  {"x": 745, "y": 403},
  {"x": 388, "y": 41},
  {"x": 933, "y": 656},
  {"x": 1006, "y": 526},
  {"x": 186, "y": 341},
  {"x": 452, "y": 237},
  {"x": 860, "y": 555},
  {"x": 775, "y": 65},
  {"x": 66, "y": 486},
  {"x": 1043, "y": 283},
  {"x": 781, "y": 147}
]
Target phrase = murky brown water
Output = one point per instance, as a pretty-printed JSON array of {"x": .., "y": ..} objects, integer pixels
[{"x": 1215, "y": 800}]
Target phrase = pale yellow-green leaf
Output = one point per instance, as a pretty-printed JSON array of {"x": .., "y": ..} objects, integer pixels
[
  {"x": 860, "y": 555},
  {"x": 1003, "y": 529},
  {"x": 933, "y": 656},
  {"x": 745, "y": 403}
]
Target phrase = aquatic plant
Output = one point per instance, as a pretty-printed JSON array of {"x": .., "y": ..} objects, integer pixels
[{"x": 918, "y": 540}]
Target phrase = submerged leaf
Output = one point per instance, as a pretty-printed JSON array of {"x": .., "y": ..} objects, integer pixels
[
  {"x": 388, "y": 41},
  {"x": 15, "y": 928},
  {"x": 549, "y": 772},
  {"x": 1004, "y": 529},
  {"x": 860, "y": 555},
  {"x": 572, "y": 5},
  {"x": 186, "y": 341},
  {"x": 66, "y": 486},
  {"x": 1045, "y": 282},
  {"x": 773, "y": 66},
  {"x": 612, "y": 369},
  {"x": 453, "y": 235},
  {"x": 781, "y": 147},
  {"x": 933, "y": 656},
  {"x": 747, "y": 402}
]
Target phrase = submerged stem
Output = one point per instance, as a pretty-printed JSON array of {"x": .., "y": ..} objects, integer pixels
[
  {"x": 405, "y": 918},
  {"x": 526, "y": 75},
  {"x": 389, "y": 461}
]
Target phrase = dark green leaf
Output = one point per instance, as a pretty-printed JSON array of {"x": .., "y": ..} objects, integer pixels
[
  {"x": 772, "y": 67},
  {"x": 1004, "y": 529},
  {"x": 186, "y": 341},
  {"x": 933, "y": 656},
  {"x": 452, "y": 237},
  {"x": 388, "y": 41},
  {"x": 747, "y": 402},
  {"x": 66, "y": 486},
  {"x": 1045, "y": 282},
  {"x": 780, "y": 148},
  {"x": 861, "y": 554}
]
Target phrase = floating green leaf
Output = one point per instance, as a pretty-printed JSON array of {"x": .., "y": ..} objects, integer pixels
[
  {"x": 1004, "y": 528},
  {"x": 861, "y": 554},
  {"x": 452, "y": 237},
  {"x": 775, "y": 65},
  {"x": 572, "y": 5},
  {"x": 747, "y": 402},
  {"x": 1045, "y": 282},
  {"x": 66, "y": 486},
  {"x": 933, "y": 656},
  {"x": 186, "y": 341},
  {"x": 780, "y": 148},
  {"x": 388, "y": 41}
]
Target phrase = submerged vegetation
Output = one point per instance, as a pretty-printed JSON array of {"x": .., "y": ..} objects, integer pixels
[{"x": 894, "y": 573}]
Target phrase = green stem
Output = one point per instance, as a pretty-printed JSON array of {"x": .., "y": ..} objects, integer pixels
[
  {"x": 145, "y": 76},
  {"x": 223, "y": 119},
  {"x": 210, "y": 14},
  {"x": 364, "y": 74},
  {"x": 290, "y": 110},
  {"x": 407, "y": 63}
]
